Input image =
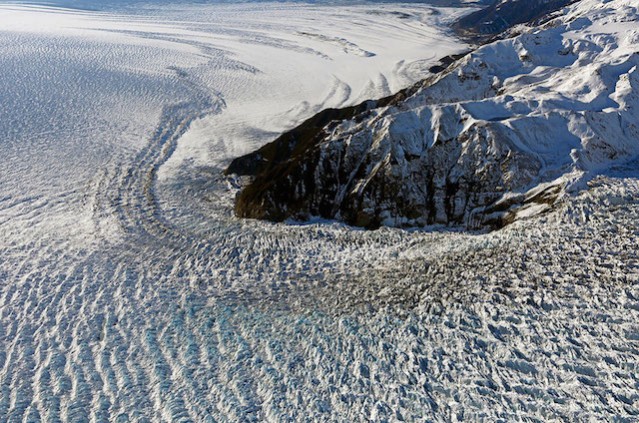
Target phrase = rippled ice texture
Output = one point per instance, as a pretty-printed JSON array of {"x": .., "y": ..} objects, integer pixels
[{"x": 129, "y": 292}]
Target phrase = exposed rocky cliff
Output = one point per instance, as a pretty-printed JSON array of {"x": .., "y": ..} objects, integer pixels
[{"x": 497, "y": 135}]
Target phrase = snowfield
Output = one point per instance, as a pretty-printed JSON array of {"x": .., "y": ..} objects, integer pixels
[{"x": 129, "y": 292}]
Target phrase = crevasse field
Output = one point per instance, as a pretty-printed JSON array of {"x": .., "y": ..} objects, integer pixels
[{"x": 129, "y": 292}]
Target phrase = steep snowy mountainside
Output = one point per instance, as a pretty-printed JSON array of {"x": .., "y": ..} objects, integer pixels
[{"x": 499, "y": 135}]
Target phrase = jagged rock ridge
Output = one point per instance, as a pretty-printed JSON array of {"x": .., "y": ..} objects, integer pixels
[{"x": 495, "y": 137}]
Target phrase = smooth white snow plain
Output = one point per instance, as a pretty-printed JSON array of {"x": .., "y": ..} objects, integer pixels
[{"x": 129, "y": 292}]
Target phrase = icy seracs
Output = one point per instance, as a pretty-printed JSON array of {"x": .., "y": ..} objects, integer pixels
[{"x": 500, "y": 134}]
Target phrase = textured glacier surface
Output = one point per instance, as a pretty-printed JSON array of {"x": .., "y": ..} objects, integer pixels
[{"x": 129, "y": 292}]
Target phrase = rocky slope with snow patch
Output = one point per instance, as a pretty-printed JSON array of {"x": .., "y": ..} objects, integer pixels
[{"x": 500, "y": 134}]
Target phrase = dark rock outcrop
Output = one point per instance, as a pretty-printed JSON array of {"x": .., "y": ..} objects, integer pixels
[{"x": 379, "y": 173}]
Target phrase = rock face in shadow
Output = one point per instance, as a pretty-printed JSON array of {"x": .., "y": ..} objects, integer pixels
[
  {"x": 495, "y": 136},
  {"x": 504, "y": 14},
  {"x": 385, "y": 169}
]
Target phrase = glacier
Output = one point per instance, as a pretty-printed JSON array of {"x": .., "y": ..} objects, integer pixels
[{"x": 129, "y": 291}]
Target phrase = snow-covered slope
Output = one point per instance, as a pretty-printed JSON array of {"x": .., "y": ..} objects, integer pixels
[{"x": 499, "y": 135}]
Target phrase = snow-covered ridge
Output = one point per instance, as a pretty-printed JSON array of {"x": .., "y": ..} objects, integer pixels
[{"x": 500, "y": 135}]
